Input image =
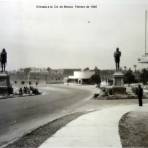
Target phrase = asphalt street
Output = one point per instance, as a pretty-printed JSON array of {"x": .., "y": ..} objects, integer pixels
[{"x": 21, "y": 115}]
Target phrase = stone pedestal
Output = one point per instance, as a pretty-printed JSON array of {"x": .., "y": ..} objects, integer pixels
[
  {"x": 5, "y": 86},
  {"x": 118, "y": 79},
  {"x": 118, "y": 83}
]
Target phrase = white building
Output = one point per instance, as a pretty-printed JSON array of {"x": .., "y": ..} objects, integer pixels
[{"x": 81, "y": 77}]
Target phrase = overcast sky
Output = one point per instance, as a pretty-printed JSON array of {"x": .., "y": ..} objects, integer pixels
[{"x": 72, "y": 37}]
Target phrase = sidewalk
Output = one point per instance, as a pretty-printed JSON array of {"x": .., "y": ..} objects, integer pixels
[{"x": 94, "y": 130}]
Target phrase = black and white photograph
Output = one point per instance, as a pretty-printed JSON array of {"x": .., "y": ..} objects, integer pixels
[{"x": 73, "y": 74}]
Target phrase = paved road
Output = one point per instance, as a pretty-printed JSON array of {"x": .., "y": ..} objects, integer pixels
[{"x": 23, "y": 114}]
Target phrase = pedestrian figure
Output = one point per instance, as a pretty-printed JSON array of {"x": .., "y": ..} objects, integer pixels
[
  {"x": 3, "y": 59},
  {"x": 36, "y": 84},
  {"x": 140, "y": 94},
  {"x": 20, "y": 91},
  {"x": 117, "y": 55},
  {"x": 25, "y": 90}
]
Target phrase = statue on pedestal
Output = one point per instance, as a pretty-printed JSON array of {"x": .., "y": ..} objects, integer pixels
[
  {"x": 5, "y": 85},
  {"x": 3, "y": 59},
  {"x": 118, "y": 76},
  {"x": 117, "y": 55}
]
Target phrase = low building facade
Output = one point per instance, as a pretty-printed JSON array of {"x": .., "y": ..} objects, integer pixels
[{"x": 81, "y": 77}]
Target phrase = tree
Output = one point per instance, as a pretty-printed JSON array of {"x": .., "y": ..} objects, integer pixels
[
  {"x": 144, "y": 76},
  {"x": 86, "y": 69},
  {"x": 96, "y": 77},
  {"x": 49, "y": 74},
  {"x": 22, "y": 82},
  {"x": 125, "y": 68},
  {"x": 30, "y": 82},
  {"x": 48, "y": 69},
  {"x": 129, "y": 77},
  {"x": 135, "y": 66},
  {"x": 96, "y": 69}
]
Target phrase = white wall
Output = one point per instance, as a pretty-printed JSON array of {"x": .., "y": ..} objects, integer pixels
[{"x": 83, "y": 74}]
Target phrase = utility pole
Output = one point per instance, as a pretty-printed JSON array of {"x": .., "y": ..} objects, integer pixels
[{"x": 145, "y": 31}]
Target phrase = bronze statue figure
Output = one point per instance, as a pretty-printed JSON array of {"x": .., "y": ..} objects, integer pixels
[
  {"x": 117, "y": 55},
  {"x": 3, "y": 59}
]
